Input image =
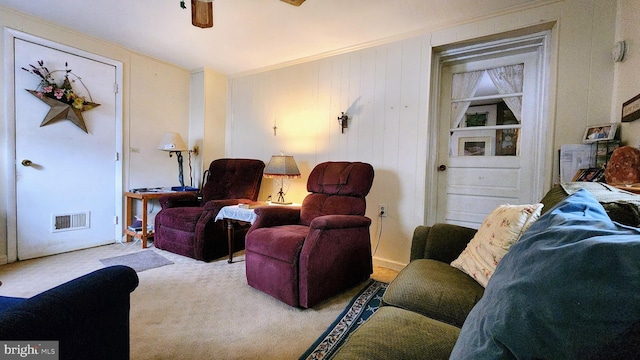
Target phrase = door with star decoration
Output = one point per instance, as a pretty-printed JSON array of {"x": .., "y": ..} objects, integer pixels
[{"x": 66, "y": 166}]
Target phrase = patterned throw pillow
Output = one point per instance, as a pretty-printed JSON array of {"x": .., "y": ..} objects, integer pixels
[{"x": 501, "y": 229}]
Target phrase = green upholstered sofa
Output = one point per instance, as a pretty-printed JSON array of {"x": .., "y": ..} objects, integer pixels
[{"x": 425, "y": 306}]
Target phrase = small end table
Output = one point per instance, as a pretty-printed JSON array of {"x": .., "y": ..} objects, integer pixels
[
  {"x": 634, "y": 188},
  {"x": 144, "y": 234},
  {"x": 235, "y": 214}
]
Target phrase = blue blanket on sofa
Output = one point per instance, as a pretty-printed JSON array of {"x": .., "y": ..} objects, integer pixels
[{"x": 569, "y": 289}]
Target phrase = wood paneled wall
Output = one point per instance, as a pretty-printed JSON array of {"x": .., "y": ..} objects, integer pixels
[{"x": 385, "y": 92}]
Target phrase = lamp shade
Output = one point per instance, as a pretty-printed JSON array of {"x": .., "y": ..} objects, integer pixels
[
  {"x": 282, "y": 166},
  {"x": 172, "y": 142}
]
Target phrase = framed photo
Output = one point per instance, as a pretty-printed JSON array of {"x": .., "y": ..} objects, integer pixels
[
  {"x": 600, "y": 132},
  {"x": 579, "y": 175},
  {"x": 506, "y": 142},
  {"x": 631, "y": 109},
  {"x": 477, "y": 119},
  {"x": 478, "y": 116},
  {"x": 591, "y": 174},
  {"x": 474, "y": 146}
]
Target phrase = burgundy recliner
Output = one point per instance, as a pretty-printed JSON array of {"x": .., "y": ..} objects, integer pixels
[
  {"x": 187, "y": 226},
  {"x": 305, "y": 255}
]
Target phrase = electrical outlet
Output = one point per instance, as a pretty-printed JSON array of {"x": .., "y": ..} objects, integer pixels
[{"x": 382, "y": 210}]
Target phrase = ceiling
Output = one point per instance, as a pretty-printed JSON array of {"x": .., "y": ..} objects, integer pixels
[{"x": 253, "y": 34}]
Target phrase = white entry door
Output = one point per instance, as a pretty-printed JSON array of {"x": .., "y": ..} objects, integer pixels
[
  {"x": 65, "y": 178},
  {"x": 488, "y": 136}
]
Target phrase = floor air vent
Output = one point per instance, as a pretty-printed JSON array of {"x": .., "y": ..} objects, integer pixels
[{"x": 66, "y": 222}]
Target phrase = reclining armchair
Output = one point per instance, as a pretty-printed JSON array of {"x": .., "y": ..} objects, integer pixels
[
  {"x": 304, "y": 255},
  {"x": 187, "y": 226}
]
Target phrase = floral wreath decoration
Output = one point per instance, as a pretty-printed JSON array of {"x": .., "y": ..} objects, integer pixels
[{"x": 65, "y": 102}]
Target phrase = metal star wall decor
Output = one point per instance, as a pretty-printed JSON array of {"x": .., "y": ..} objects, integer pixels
[
  {"x": 61, "y": 111},
  {"x": 65, "y": 103}
]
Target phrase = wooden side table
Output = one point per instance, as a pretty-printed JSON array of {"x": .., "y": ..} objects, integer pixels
[
  {"x": 633, "y": 188},
  {"x": 144, "y": 234},
  {"x": 234, "y": 214}
]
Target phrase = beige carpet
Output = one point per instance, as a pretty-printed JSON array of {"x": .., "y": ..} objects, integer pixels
[{"x": 192, "y": 309}]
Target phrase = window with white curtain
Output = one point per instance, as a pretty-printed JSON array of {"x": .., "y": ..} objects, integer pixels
[{"x": 486, "y": 112}]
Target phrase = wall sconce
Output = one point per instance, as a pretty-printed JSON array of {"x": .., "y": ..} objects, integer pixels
[
  {"x": 173, "y": 143},
  {"x": 343, "y": 121}
]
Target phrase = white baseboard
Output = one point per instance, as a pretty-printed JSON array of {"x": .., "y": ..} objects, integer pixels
[
  {"x": 3, "y": 259},
  {"x": 393, "y": 265}
]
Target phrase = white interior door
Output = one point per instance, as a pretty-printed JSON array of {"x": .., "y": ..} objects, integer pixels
[
  {"x": 65, "y": 196},
  {"x": 486, "y": 150}
]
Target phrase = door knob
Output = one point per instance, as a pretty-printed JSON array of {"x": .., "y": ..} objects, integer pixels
[
  {"x": 442, "y": 167},
  {"x": 26, "y": 162}
]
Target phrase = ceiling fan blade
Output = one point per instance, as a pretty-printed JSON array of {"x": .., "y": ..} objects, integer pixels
[
  {"x": 294, "y": 2},
  {"x": 202, "y": 13}
]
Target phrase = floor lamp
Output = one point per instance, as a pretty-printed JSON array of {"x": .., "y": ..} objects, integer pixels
[
  {"x": 173, "y": 143},
  {"x": 282, "y": 167}
]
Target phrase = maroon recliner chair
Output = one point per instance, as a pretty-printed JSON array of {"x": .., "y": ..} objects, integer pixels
[
  {"x": 187, "y": 226},
  {"x": 305, "y": 255}
]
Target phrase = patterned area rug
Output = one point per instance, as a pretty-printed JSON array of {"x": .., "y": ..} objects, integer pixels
[
  {"x": 138, "y": 261},
  {"x": 363, "y": 305}
]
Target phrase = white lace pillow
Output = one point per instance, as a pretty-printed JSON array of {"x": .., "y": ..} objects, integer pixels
[{"x": 501, "y": 229}]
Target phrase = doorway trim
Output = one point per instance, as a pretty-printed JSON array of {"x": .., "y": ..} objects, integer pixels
[
  {"x": 10, "y": 115},
  {"x": 476, "y": 49}
]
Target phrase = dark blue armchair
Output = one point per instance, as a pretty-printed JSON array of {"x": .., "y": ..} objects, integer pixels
[{"x": 89, "y": 316}]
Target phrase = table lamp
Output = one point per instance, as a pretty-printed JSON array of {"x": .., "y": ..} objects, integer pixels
[
  {"x": 282, "y": 167},
  {"x": 173, "y": 143}
]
